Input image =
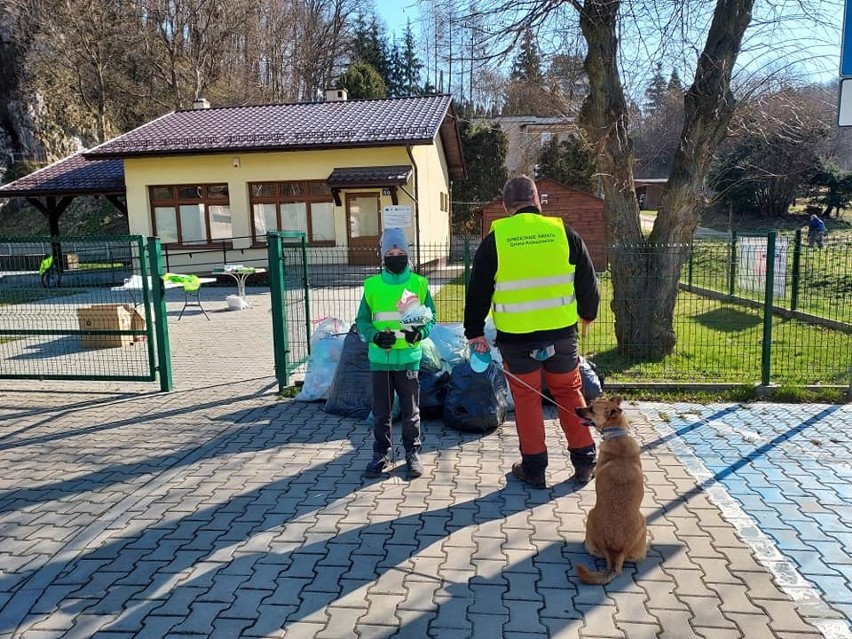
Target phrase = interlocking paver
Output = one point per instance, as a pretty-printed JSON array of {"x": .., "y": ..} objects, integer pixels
[{"x": 230, "y": 512}]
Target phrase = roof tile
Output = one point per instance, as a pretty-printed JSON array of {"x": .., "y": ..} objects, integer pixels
[
  {"x": 284, "y": 126},
  {"x": 72, "y": 175}
]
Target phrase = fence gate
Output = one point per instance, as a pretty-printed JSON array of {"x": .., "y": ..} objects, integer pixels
[
  {"x": 82, "y": 309},
  {"x": 291, "y": 317}
]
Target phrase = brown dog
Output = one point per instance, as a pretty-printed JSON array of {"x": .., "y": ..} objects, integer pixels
[{"x": 616, "y": 528}]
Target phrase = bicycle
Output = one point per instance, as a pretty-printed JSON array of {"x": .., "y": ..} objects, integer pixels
[{"x": 50, "y": 273}]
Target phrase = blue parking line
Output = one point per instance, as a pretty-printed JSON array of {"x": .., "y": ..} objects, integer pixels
[{"x": 789, "y": 467}]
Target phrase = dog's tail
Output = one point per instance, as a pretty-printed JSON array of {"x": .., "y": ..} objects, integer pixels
[{"x": 595, "y": 577}]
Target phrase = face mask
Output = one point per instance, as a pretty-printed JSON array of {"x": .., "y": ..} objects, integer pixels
[{"x": 396, "y": 263}]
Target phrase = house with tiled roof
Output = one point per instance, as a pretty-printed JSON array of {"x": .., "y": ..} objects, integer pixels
[{"x": 338, "y": 170}]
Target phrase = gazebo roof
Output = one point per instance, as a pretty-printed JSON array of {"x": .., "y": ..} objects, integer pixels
[{"x": 74, "y": 175}]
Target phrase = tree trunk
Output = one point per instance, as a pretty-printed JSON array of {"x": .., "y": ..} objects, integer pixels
[{"x": 645, "y": 274}]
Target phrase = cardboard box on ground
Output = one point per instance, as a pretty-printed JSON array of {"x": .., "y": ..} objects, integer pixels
[{"x": 110, "y": 317}]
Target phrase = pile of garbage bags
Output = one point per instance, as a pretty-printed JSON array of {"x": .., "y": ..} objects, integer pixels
[{"x": 338, "y": 372}]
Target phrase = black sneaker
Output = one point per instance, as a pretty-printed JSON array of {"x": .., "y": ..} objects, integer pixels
[
  {"x": 583, "y": 474},
  {"x": 535, "y": 480},
  {"x": 415, "y": 466},
  {"x": 376, "y": 466}
]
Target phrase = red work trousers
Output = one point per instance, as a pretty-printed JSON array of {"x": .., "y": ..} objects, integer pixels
[{"x": 529, "y": 418}]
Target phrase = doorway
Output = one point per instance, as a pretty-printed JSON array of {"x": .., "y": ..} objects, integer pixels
[{"x": 363, "y": 223}]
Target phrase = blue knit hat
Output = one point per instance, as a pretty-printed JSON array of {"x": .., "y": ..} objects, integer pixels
[{"x": 394, "y": 238}]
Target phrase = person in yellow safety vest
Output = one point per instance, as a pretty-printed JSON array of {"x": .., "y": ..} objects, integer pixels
[
  {"x": 534, "y": 274},
  {"x": 394, "y": 353}
]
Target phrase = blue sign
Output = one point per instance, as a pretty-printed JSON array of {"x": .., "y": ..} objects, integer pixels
[{"x": 846, "y": 45}]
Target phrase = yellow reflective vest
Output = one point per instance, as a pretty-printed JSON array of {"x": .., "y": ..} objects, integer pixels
[
  {"x": 382, "y": 299},
  {"x": 534, "y": 283}
]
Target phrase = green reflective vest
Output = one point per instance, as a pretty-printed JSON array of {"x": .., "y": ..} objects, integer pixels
[
  {"x": 190, "y": 283},
  {"x": 382, "y": 299},
  {"x": 534, "y": 283}
]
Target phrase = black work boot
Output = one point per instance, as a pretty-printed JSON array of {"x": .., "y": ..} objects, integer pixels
[
  {"x": 531, "y": 470},
  {"x": 536, "y": 480},
  {"x": 583, "y": 474},
  {"x": 583, "y": 460}
]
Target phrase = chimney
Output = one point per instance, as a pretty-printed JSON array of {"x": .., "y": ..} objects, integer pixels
[
  {"x": 335, "y": 95},
  {"x": 200, "y": 103}
]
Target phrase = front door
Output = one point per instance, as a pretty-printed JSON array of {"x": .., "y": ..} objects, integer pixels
[{"x": 364, "y": 227}]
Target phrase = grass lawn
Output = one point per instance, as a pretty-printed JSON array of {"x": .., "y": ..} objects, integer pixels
[{"x": 718, "y": 342}]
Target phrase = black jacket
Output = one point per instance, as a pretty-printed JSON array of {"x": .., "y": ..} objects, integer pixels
[{"x": 481, "y": 289}]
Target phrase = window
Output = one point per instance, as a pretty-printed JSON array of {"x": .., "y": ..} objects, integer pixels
[
  {"x": 191, "y": 214},
  {"x": 293, "y": 206},
  {"x": 546, "y": 137}
]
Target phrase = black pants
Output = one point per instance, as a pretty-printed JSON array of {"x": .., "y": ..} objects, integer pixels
[{"x": 407, "y": 387}]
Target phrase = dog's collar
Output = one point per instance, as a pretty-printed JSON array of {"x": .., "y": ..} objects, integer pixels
[{"x": 613, "y": 433}]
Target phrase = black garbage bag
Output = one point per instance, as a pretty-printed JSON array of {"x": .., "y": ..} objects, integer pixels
[
  {"x": 433, "y": 391},
  {"x": 592, "y": 382},
  {"x": 476, "y": 402},
  {"x": 351, "y": 390}
]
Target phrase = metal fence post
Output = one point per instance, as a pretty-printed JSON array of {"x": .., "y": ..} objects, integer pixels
[
  {"x": 466, "y": 263},
  {"x": 733, "y": 264},
  {"x": 161, "y": 328},
  {"x": 689, "y": 270},
  {"x": 766, "y": 355},
  {"x": 797, "y": 263},
  {"x": 144, "y": 270},
  {"x": 279, "y": 314},
  {"x": 307, "y": 289}
]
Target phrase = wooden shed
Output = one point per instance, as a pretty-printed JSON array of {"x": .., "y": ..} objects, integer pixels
[{"x": 583, "y": 211}]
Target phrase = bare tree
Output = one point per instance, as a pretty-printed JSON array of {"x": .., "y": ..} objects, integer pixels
[{"x": 617, "y": 34}]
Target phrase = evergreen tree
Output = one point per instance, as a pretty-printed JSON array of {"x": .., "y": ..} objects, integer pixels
[
  {"x": 410, "y": 65},
  {"x": 393, "y": 76},
  {"x": 485, "y": 149},
  {"x": 656, "y": 91},
  {"x": 570, "y": 162},
  {"x": 362, "y": 81},
  {"x": 527, "y": 66},
  {"x": 369, "y": 45},
  {"x": 675, "y": 85}
]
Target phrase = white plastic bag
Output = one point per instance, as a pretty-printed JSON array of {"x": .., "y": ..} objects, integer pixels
[
  {"x": 326, "y": 346},
  {"x": 236, "y": 303},
  {"x": 451, "y": 343}
]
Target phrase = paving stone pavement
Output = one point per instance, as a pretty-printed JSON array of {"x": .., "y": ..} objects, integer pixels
[{"x": 220, "y": 510}]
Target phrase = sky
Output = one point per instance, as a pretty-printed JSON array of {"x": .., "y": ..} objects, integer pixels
[
  {"x": 783, "y": 43},
  {"x": 395, "y": 13}
]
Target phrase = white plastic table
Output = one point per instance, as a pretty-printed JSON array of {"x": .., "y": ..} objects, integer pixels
[
  {"x": 240, "y": 275},
  {"x": 134, "y": 283}
]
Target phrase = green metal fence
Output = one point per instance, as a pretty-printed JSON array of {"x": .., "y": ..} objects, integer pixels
[
  {"x": 77, "y": 315},
  {"x": 289, "y": 292},
  {"x": 729, "y": 329}
]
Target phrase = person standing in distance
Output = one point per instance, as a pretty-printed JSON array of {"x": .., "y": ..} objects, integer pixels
[
  {"x": 536, "y": 277},
  {"x": 394, "y": 360},
  {"x": 816, "y": 231}
]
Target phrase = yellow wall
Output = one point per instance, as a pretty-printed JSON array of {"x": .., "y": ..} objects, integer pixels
[
  {"x": 140, "y": 173},
  {"x": 433, "y": 179}
]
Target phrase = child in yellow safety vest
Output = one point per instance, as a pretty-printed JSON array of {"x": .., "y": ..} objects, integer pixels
[{"x": 394, "y": 350}]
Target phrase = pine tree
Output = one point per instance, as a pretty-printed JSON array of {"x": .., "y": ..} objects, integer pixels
[
  {"x": 570, "y": 162},
  {"x": 527, "y": 66},
  {"x": 410, "y": 65},
  {"x": 655, "y": 94},
  {"x": 369, "y": 45},
  {"x": 362, "y": 81},
  {"x": 674, "y": 85}
]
